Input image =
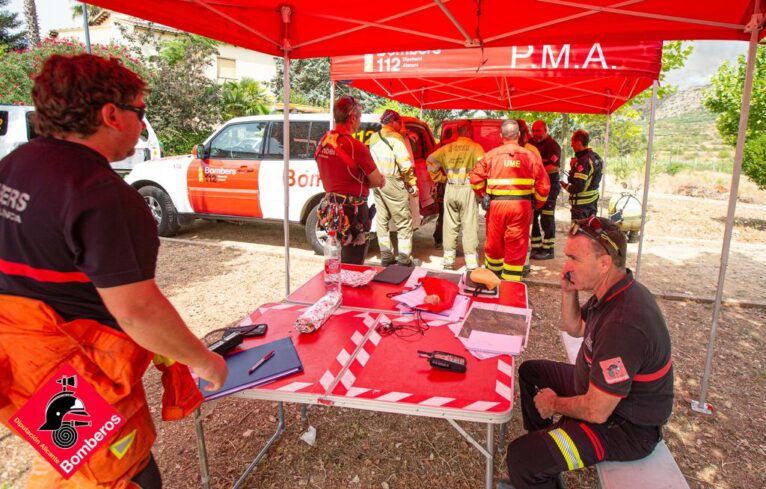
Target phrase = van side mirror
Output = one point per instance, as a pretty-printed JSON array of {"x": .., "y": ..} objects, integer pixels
[{"x": 200, "y": 152}]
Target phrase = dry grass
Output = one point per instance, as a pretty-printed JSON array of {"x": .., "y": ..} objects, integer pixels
[{"x": 214, "y": 285}]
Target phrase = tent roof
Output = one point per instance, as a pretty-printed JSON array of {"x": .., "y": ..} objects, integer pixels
[
  {"x": 582, "y": 78},
  {"x": 341, "y": 27}
]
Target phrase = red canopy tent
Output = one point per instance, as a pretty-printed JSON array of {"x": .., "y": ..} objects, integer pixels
[
  {"x": 570, "y": 78},
  {"x": 313, "y": 28}
]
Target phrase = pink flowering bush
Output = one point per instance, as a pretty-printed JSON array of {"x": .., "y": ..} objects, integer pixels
[{"x": 17, "y": 68}]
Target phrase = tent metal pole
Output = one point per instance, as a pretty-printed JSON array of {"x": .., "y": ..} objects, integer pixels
[
  {"x": 606, "y": 137},
  {"x": 647, "y": 175},
  {"x": 700, "y": 405},
  {"x": 606, "y": 147},
  {"x": 332, "y": 104},
  {"x": 286, "y": 14},
  {"x": 468, "y": 41}
]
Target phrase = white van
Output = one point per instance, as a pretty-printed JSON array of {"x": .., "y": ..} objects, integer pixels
[
  {"x": 16, "y": 128},
  {"x": 239, "y": 176}
]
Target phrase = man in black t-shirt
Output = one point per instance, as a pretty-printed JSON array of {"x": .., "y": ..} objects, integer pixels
[
  {"x": 78, "y": 247},
  {"x": 614, "y": 401}
]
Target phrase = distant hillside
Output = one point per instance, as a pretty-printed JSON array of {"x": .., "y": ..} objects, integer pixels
[
  {"x": 686, "y": 134},
  {"x": 680, "y": 103}
]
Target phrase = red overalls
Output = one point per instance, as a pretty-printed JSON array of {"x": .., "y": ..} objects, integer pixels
[{"x": 513, "y": 179}]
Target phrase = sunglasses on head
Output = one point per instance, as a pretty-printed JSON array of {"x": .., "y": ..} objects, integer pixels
[{"x": 593, "y": 228}]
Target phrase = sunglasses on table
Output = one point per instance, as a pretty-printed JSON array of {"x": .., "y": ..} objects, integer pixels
[{"x": 593, "y": 228}]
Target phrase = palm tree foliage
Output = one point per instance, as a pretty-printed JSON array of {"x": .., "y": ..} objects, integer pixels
[{"x": 246, "y": 97}]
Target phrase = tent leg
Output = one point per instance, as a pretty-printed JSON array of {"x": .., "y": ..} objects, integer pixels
[
  {"x": 606, "y": 148},
  {"x": 332, "y": 104},
  {"x": 647, "y": 174},
  {"x": 286, "y": 169},
  {"x": 700, "y": 405}
]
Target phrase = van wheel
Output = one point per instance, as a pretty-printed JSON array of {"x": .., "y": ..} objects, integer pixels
[
  {"x": 316, "y": 237},
  {"x": 162, "y": 209}
]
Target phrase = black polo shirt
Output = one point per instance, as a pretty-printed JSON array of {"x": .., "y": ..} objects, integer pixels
[
  {"x": 626, "y": 353},
  {"x": 550, "y": 152},
  {"x": 69, "y": 224}
]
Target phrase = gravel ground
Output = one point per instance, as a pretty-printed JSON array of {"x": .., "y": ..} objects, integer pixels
[{"x": 231, "y": 269}]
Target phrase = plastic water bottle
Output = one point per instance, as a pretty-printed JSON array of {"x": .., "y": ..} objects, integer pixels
[{"x": 332, "y": 281}]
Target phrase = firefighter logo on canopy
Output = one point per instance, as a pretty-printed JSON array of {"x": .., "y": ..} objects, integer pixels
[{"x": 66, "y": 421}]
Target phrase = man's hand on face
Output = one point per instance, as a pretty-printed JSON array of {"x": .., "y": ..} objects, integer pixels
[{"x": 544, "y": 403}]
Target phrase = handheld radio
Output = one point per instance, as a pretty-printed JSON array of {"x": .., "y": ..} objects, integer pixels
[
  {"x": 444, "y": 360},
  {"x": 234, "y": 336}
]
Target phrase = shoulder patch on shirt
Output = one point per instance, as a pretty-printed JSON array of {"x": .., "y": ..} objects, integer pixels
[
  {"x": 580, "y": 168},
  {"x": 614, "y": 370},
  {"x": 554, "y": 158}
]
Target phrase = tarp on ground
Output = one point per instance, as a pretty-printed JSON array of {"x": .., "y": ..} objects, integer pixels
[
  {"x": 592, "y": 78},
  {"x": 341, "y": 27}
]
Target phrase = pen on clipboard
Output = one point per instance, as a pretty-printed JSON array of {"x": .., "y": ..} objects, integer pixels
[{"x": 260, "y": 362}]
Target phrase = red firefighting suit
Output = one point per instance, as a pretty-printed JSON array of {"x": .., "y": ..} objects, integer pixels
[{"x": 513, "y": 178}]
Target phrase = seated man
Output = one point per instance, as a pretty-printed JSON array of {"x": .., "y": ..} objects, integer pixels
[{"x": 615, "y": 399}]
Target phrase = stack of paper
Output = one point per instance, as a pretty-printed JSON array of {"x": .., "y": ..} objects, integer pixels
[{"x": 494, "y": 329}]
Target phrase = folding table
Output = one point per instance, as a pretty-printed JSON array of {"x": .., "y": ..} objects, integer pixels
[{"x": 347, "y": 363}]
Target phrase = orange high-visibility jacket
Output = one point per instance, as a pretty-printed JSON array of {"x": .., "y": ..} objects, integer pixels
[
  {"x": 513, "y": 173},
  {"x": 35, "y": 341}
]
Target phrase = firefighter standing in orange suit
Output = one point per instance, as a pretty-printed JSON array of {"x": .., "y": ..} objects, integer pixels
[
  {"x": 513, "y": 179},
  {"x": 78, "y": 253}
]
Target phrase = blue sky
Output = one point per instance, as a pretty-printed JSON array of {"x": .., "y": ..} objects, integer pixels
[{"x": 707, "y": 55}]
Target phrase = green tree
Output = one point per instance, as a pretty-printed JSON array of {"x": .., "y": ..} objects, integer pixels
[
  {"x": 9, "y": 23},
  {"x": 725, "y": 99},
  {"x": 184, "y": 106},
  {"x": 93, "y": 12},
  {"x": 246, "y": 97},
  {"x": 309, "y": 81},
  {"x": 18, "y": 67}
]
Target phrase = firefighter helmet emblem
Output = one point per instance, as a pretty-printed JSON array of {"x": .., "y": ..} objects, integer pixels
[{"x": 61, "y": 411}]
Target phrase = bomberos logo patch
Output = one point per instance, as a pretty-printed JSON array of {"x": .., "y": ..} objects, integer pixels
[{"x": 66, "y": 421}]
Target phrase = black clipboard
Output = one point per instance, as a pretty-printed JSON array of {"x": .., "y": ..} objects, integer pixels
[{"x": 394, "y": 274}]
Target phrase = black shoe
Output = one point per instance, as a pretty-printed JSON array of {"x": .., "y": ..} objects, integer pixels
[
  {"x": 542, "y": 255},
  {"x": 387, "y": 261},
  {"x": 408, "y": 262},
  {"x": 560, "y": 482},
  {"x": 438, "y": 246},
  {"x": 525, "y": 271}
]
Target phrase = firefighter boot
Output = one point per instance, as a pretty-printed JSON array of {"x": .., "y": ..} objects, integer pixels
[
  {"x": 387, "y": 258},
  {"x": 407, "y": 261},
  {"x": 543, "y": 255}
]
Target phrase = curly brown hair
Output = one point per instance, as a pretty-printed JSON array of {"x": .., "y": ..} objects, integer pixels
[{"x": 70, "y": 90}]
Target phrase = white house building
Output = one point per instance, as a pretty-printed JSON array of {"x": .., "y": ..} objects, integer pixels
[{"x": 231, "y": 63}]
